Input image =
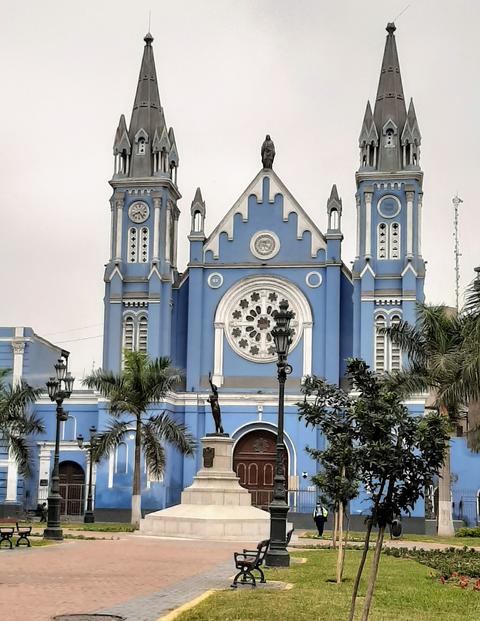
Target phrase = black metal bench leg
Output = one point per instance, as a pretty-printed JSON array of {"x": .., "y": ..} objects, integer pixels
[
  {"x": 246, "y": 577},
  {"x": 262, "y": 575},
  {"x": 8, "y": 540},
  {"x": 23, "y": 540}
]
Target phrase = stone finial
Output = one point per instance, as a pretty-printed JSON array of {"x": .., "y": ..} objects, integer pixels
[{"x": 268, "y": 152}]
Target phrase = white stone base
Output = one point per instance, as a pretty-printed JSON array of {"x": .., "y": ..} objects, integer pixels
[{"x": 214, "y": 507}]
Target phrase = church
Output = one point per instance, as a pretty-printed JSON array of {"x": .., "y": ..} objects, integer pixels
[{"x": 215, "y": 316}]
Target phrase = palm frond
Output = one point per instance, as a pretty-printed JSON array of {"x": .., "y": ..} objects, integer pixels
[
  {"x": 108, "y": 440},
  {"x": 21, "y": 454},
  {"x": 154, "y": 452},
  {"x": 164, "y": 428}
]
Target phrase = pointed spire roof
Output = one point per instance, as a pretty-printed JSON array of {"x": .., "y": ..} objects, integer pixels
[
  {"x": 334, "y": 202},
  {"x": 390, "y": 101},
  {"x": 198, "y": 204},
  {"x": 121, "y": 137},
  {"x": 369, "y": 131},
  {"x": 411, "y": 131},
  {"x": 147, "y": 113}
]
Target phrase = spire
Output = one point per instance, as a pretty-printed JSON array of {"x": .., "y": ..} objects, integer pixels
[
  {"x": 390, "y": 101},
  {"x": 369, "y": 132},
  {"x": 197, "y": 211},
  {"x": 146, "y": 112},
  {"x": 122, "y": 143},
  {"x": 334, "y": 210}
]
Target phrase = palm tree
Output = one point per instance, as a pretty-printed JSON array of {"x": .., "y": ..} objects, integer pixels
[
  {"x": 435, "y": 347},
  {"x": 16, "y": 422},
  {"x": 142, "y": 384}
]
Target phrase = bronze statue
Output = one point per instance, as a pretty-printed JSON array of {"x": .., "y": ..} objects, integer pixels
[
  {"x": 268, "y": 152},
  {"x": 214, "y": 404}
]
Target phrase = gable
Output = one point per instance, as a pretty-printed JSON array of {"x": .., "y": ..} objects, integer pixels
[{"x": 267, "y": 190}]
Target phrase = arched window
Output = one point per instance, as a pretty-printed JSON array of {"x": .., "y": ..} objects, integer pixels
[
  {"x": 142, "y": 333},
  {"x": 197, "y": 221},
  {"x": 394, "y": 250},
  {"x": 121, "y": 458},
  {"x": 69, "y": 429},
  {"x": 382, "y": 240},
  {"x": 144, "y": 245},
  {"x": 141, "y": 146},
  {"x": 389, "y": 138},
  {"x": 371, "y": 154},
  {"x": 380, "y": 344},
  {"x": 132, "y": 245},
  {"x": 128, "y": 333},
  {"x": 333, "y": 224},
  {"x": 395, "y": 354}
]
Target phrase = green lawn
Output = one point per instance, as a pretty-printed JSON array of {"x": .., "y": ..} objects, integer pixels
[
  {"x": 359, "y": 536},
  {"x": 405, "y": 592}
]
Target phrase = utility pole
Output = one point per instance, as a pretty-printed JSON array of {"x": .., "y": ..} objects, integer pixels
[{"x": 456, "y": 200}]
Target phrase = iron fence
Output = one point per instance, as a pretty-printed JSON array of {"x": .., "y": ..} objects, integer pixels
[
  {"x": 299, "y": 500},
  {"x": 73, "y": 495}
]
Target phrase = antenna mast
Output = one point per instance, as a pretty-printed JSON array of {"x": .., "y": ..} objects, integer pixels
[{"x": 456, "y": 200}]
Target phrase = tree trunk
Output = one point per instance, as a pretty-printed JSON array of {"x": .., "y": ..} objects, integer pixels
[
  {"x": 445, "y": 518},
  {"x": 335, "y": 525},
  {"x": 360, "y": 570},
  {"x": 137, "y": 490},
  {"x": 345, "y": 546},
  {"x": 340, "y": 543},
  {"x": 373, "y": 575}
]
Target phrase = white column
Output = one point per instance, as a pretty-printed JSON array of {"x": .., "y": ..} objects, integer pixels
[
  {"x": 167, "y": 231},
  {"x": 218, "y": 355},
  {"x": 368, "y": 224},
  {"x": 118, "y": 243},
  {"x": 357, "y": 253},
  {"x": 18, "y": 347},
  {"x": 419, "y": 224},
  {"x": 307, "y": 349},
  {"x": 410, "y": 196},
  {"x": 156, "y": 227},
  {"x": 111, "y": 463},
  {"x": 44, "y": 471},
  {"x": 175, "y": 241}
]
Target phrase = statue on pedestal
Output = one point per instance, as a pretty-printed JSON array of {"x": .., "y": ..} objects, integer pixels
[
  {"x": 214, "y": 404},
  {"x": 268, "y": 152}
]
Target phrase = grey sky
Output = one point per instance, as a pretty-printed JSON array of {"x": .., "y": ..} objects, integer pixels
[{"x": 229, "y": 72}]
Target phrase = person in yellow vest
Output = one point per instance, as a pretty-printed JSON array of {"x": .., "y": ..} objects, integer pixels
[{"x": 320, "y": 515}]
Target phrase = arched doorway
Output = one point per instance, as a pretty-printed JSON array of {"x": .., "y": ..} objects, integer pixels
[
  {"x": 72, "y": 488},
  {"x": 254, "y": 464}
]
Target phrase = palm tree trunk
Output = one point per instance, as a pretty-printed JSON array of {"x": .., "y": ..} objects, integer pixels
[
  {"x": 360, "y": 571},
  {"x": 445, "y": 518},
  {"x": 137, "y": 490},
  {"x": 373, "y": 575}
]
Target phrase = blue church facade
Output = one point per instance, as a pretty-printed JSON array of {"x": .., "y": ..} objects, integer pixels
[{"x": 216, "y": 316}]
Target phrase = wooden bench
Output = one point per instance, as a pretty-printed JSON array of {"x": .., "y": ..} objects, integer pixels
[
  {"x": 22, "y": 532},
  {"x": 249, "y": 561}
]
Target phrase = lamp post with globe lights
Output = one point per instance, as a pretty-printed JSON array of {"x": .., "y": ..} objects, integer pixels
[
  {"x": 277, "y": 555},
  {"x": 89, "y": 516},
  {"x": 59, "y": 388}
]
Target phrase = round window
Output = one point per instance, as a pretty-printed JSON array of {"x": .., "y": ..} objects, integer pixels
[{"x": 389, "y": 206}]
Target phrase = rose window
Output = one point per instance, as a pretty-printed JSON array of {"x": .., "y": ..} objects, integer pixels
[{"x": 250, "y": 322}]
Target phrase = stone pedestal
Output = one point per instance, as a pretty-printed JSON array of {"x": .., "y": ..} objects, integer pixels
[{"x": 215, "y": 506}]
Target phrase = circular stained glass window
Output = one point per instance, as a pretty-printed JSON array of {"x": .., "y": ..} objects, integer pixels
[{"x": 250, "y": 321}]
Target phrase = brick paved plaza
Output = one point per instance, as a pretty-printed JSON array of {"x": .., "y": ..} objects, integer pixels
[{"x": 138, "y": 578}]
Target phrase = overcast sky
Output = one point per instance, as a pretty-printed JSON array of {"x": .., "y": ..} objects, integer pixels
[{"x": 229, "y": 72}]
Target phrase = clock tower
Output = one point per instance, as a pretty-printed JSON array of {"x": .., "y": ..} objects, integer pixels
[
  {"x": 143, "y": 259},
  {"x": 389, "y": 271}
]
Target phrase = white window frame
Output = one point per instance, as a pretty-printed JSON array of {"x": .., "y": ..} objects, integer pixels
[{"x": 389, "y": 349}]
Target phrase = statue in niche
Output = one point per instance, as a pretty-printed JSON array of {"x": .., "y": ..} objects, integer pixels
[
  {"x": 268, "y": 152},
  {"x": 215, "y": 405}
]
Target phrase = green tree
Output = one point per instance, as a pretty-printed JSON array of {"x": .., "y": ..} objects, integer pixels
[
  {"x": 328, "y": 407},
  {"x": 438, "y": 363},
  {"x": 142, "y": 384},
  {"x": 17, "y": 421}
]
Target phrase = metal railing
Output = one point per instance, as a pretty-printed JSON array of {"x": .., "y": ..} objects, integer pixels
[
  {"x": 299, "y": 500},
  {"x": 73, "y": 495}
]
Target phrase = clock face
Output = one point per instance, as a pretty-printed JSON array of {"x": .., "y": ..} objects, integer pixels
[{"x": 138, "y": 212}]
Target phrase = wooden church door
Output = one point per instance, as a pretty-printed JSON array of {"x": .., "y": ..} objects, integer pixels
[
  {"x": 254, "y": 464},
  {"x": 72, "y": 488}
]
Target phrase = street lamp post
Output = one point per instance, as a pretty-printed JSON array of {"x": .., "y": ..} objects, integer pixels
[
  {"x": 89, "y": 516},
  {"x": 59, "y": 388},
  {"x": 277, "y": 555}
]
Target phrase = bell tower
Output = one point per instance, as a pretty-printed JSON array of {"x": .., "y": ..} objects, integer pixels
[
  {"x": 143, "y": 250},
  {"x": 389, "y": 270}
]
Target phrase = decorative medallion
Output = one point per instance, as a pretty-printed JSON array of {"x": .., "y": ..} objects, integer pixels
[
  {"x": 313, "y": 279},
  {"x": 215, "y": 280},
  {"x": 250, "y": 320},
  {"x": 389, "y": 206},
  {"x": 265, "y": 244},
  {"x": 138, "y": 212},
  {"x": 261, "y": 445}
]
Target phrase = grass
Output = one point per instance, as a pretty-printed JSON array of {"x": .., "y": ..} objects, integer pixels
[
  {"x": 360, "y": 536},
  {"x": 405, "y": 592},
  {"x": 97, "y": 527}
]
